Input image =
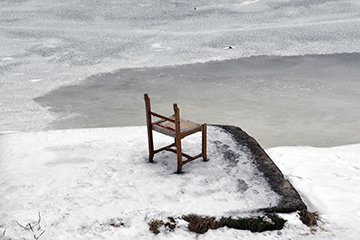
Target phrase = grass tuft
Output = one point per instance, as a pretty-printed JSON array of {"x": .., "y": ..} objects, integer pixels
[
  {"x": 200, "y": 224},
  {"x": 309, "y": 218},
  {"x": 155, "y": 225}
]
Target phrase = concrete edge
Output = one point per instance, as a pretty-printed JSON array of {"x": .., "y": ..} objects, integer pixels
[{"x": 291, "y": 200}]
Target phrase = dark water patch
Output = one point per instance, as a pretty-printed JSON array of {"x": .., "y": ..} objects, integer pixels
[{"x": 299, "y": 100}]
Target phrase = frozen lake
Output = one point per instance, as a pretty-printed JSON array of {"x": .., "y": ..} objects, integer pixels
[
  {"x": 310, "y": 100},
  {"x": 287, "y": 72}
]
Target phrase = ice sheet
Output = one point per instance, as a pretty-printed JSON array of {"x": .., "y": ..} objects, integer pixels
[
  {"x": 308, "y": 100},
  {"x": 45, "y": 45}
]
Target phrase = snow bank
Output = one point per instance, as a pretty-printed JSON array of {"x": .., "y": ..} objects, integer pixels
[
  {"x": 328, "y": 179},
  {"x": 80, "y": 180},
  {"x": 84, "y": 182}
]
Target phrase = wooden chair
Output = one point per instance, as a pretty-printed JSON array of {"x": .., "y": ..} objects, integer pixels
[{"x": 174, "y": 127}]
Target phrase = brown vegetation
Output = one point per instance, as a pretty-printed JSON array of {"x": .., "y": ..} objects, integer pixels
[{"x": 309, "y": 218}]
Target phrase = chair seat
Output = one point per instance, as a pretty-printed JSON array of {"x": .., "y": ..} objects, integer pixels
[{"x": 168, "y": 128}]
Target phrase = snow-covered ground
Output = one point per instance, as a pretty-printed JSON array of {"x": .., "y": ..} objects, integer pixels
[
  {"x": 83, "y": 180},
  {"x": 328, "y": 180},
  {"x": 285, "y": 71}
]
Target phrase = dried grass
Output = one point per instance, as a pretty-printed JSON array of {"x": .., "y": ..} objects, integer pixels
[
  {"x": 309, "y": 218},
  {"x": 155, "y": 225},
  {"x": 199, "y": 224},
  {"x": 258, "y": 224}
]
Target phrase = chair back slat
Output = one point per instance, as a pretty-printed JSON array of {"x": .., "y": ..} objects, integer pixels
[{"x": 161, "y": 116}]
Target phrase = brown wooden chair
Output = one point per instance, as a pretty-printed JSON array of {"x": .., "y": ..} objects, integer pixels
[{"x": 174, "y": 127}]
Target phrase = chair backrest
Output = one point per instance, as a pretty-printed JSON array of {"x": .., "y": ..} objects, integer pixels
[
  {"x": 177, "y": 120},
  {"x": 150, "y": 113}
]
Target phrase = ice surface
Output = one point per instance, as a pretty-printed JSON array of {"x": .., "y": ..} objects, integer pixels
[
  {"x": 45, "y": 45},
  {"x": 278, "y": 100}
]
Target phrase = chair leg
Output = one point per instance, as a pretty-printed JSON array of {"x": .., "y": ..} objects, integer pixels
[
  {"x": 150, "y": 143},
  {"x": 179, "y": 155},
  {"x": 204, "y": 142},
  {"x": 151, "y": 147},
  {"x": 149, "y": 129},
  {"x": 178, "y": 138}
]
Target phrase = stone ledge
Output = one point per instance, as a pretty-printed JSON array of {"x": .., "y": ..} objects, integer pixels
[{"x": 291, "y": 200}]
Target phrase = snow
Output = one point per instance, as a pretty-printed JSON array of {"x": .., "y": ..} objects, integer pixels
[
  {"x": 327, "y": 179},
  {"x": 105, "y": 175},
  {"x": 81, "y": 181},
  {"x": 290, "y": 78}
]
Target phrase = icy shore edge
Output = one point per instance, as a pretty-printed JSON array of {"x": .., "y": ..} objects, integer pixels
[{"x": 291, "y": 200}]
